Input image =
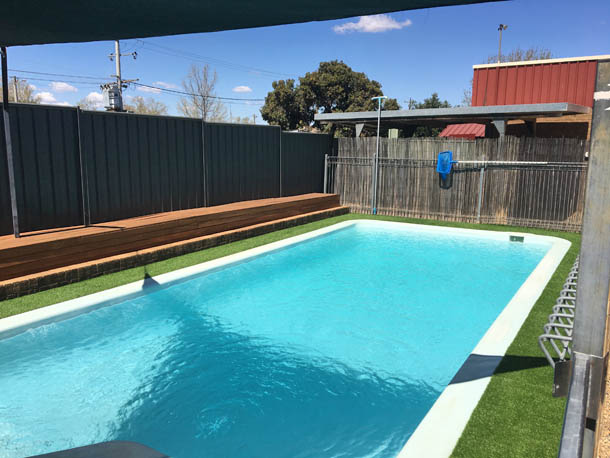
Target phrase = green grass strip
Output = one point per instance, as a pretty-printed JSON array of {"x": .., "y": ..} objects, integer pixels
[{"x": 516, "y": 417}]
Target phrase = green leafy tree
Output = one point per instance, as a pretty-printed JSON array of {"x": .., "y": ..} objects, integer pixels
[
  {"x": 333, "y": 87},
  {"x": 281, "y": 107},
  {"x": 433, "y": 101}
]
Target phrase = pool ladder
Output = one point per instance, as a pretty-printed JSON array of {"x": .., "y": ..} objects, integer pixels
[{"x": 556, "y": 339}]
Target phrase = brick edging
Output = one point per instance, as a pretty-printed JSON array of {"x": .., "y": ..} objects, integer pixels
[{"x": 22, "y": 286}]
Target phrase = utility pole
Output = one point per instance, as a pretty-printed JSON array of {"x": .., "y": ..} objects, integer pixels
[
  {"x": 16, "y": 88},
  {"x": 254, "y": 116},
  {"x": 115, "y": 90},
  {"x": 117, "y": 61},
  {"x": 501, "y": 27}
]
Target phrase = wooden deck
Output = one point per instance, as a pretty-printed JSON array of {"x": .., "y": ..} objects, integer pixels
[{"x": 45, "y": 250}]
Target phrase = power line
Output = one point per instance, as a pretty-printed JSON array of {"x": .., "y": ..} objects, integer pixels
[
  {"x": 156, "y": 88},
  {"x": 197, "y": 95},
  {"x": 60, "y": 74},
  {"x": 65, "y": 81},
  {"x": 193, "y": 56}
]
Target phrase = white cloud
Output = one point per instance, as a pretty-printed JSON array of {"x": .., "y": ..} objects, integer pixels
[
  {"x": 32, "y": 87},
  {"x": 149, "y": 89},
  {"x": 60, "y": 86},
  {"x": 242, "y": 89},
  {"x": 96, "y": 99},
  {"x": 46, "y": 98},
  {"x": 166, "y": 85},
  {"x": 372, "y": 24}
]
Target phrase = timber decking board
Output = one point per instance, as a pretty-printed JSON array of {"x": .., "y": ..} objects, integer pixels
[
  {"x": 105, "y": 235},
  {"x": 74, "y": 253},
  {"x": 44, "y": 250}
]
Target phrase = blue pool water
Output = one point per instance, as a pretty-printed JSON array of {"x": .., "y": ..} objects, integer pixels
[{"x": 335, "y": 347}]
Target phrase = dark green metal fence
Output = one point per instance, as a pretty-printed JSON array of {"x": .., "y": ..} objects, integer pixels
[{"x": 76, "y": 166}]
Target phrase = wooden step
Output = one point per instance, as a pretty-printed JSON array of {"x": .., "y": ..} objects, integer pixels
[{"x": 45, "y": 250}]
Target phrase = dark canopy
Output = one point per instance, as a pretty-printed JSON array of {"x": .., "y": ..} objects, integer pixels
[{"x": 27, "y": 22}]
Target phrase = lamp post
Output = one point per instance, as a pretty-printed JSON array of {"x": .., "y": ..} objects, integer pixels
[
  {"x": 376, "y": 158},
  {"x": 501, "y": 27}
]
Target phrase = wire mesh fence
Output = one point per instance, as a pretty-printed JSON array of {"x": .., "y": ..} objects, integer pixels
[{"x": 521, "y": 193}]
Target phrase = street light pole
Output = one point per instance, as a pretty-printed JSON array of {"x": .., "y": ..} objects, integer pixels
[
  {"x": 376, "y": 158},
  {"x": 501, "y": 27}
]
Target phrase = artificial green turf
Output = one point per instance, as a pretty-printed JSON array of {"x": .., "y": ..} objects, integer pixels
[{"x": 516, "y": 417}]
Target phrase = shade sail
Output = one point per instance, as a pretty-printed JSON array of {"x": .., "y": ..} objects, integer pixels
[{"x": 26, "y": 22}]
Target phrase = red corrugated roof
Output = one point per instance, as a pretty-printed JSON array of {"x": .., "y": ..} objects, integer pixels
[
  {"x": 540, "y": 82},
  {"x": 470, "y": 131}
]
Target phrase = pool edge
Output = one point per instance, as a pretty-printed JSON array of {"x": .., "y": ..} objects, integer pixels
[
  {"x": 17, "y": 324},
  {"x": 450, "y": 413}
]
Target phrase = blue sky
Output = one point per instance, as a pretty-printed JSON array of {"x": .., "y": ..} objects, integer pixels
[{"x": 411, "y": 53}]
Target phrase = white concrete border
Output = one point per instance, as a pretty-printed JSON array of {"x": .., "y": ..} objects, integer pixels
[
  {"x": 441, "y": 428},
  {"x": 439, "y": 431}
]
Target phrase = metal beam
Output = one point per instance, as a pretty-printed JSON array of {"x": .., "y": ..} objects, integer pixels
[
  {"x": 594, "y": 275},
  {"x": 572, "y": 436},
  {"x": 480, "y": 114},
  {"x": 9, "y": 144},
  {"x": 593, "y": 284}
]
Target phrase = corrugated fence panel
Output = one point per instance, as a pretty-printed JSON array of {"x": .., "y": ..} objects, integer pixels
[
  {"x": 47, "y": 168},
  {"x": 303, "y": 162},
  {"x": 242, "y": 162},
  {"x": 138, "y": 165}
]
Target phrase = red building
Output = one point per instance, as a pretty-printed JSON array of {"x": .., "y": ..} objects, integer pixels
[{"x": 570, "y": 80}]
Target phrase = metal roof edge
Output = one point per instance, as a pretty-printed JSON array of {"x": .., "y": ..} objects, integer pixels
[
  {"x": 490, "y": 110},
  {"x": 543, "y": 61}
]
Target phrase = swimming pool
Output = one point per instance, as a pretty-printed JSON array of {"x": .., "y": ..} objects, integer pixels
[{"x": 335, "y": 343}]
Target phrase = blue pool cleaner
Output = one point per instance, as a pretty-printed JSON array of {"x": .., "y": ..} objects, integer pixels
[{"x": 443, "y": 167}]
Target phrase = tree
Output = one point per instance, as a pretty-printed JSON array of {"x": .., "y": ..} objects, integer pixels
[
  {"x": 431, "y": 102},
  {"x": 243, "y": 120},
  {"x": 518, "y": 55},
  {"x": 148, "y": 106},
  {"x": 333, "y": 87},
  {"x": 467, "y": 96},
  {"x": 25, "y": 92},
  {"x": 281, "y": 107},
  {"x": 202, "y": 103},
  {"x": 86, "y": 103}
]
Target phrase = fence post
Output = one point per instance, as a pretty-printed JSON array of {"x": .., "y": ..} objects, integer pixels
[
  {"x": 324, "y": 190},
  {"x": 204, "y": 171},
  {"x": 9, "y": 145},
  {"x": 84, "y": 178},
  {"x": 374, "y": 185},
  {"x": 280, "y": 129},
  {"x": 480, "y": 201}
]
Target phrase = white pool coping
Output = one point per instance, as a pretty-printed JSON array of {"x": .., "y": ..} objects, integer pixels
[{"x": 439, "y": 431}]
